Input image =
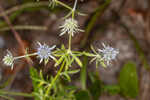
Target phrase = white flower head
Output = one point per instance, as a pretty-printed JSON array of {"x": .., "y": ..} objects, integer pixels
[
  {"x": 108, "y": 53},
  {"x": 44, "y": 52},
  {"x": 70, "y": 26},
  {"x": 9, "y": 59}
]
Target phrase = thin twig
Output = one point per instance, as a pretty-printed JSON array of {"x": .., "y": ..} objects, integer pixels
[
  {"x": 20, "y": 7},
  {"x": 35, "y": 4},
  {"x": 24, "y": 27}
]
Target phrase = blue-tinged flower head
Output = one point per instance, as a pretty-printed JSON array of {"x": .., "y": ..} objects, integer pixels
[
  {"x": 108, "y": 53},
  {"x": 9, "y": 59},
  {"x": 44, "y": 52},
  {"x": 70, "y": 26}
]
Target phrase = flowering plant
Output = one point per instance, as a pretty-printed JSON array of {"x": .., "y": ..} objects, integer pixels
[{"x": 64, "y": 57}]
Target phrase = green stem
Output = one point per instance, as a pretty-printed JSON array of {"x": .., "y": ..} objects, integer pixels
[
  {"x": 15, "y": 93},
  {"x": 54, "y": 80},
  {"x": 73, "y": 14},
  {"x": 63, "y": 4},
  {"x": 75, "y": 4},
  {"x": 83, "y": 74},
  {"x": 70, "y": 38},
  {"x": 68, "y": 7},
  {"x": 28, "y": 55},
  {"x": 74, "y": 9}
]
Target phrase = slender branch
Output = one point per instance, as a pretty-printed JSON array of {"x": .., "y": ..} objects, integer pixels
[
  {"x": 15, "y": 93},
  {"x": 27, "y": 5},
  {"x": 28, "y": 55},
  {"x": 24, "y": 27},
  {"x": 75, "y": 5},
  {"x": 63, "y": 4},
  {"x": 35, "y": 4},
  {"x": 68, "y": 7}
]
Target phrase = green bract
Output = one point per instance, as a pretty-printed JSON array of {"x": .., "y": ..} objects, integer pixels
[{"x": 67, "y": 56}]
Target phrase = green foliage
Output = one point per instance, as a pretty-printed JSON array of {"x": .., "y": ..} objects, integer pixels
[
  {"x": 58, "y": 91},
  {"x": 62, "y": 92},
  {"x": 95, "y": 88},
  {"x": 82, "y": 95},
  {"x": 98, "y": 59},
  {"x": 67, "y": 56},
  {"x": 128, "y": 80},
  {"x": 39, "y": 84},
  {"x": 112, "y": 89},
  {"x": 7, "y": 94},
  {"x": 66, "y": 74}
]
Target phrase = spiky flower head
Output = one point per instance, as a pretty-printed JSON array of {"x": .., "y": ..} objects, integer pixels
[
  {"x": 70, "y": 26},
  {"x": 108, "y": 53},
  {"x": 9, "y": 59},
  {"x": 44, "y": 52}
]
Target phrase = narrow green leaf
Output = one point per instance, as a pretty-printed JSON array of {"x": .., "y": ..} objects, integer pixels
[
  {"x": 93, "y": 49},
  {"x": 103, "y": 64},
  {"x": 35, "y": 78},
  {"x": 73, "y": 71},
  {"x": 67, "y": 76},
  {"x": 77, "y": 60},
  {"x": 59, "y": 61},
  {"x": 88, "y": 54}
]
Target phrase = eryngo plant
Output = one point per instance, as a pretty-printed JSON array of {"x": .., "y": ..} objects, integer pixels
[{"x": 64, "y": 57}]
